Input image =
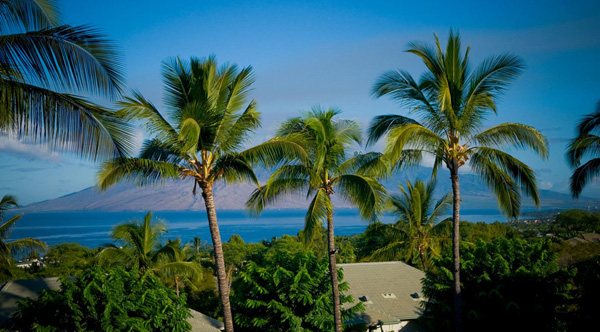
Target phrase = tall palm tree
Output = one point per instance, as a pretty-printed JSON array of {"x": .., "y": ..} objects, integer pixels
[
  {"x": 414, "y": 232},
  {"x": 452, "y": 99},
  {"x": 586, "y": 144},
  {"x": 9, "y": 248},
  {"x": 42, "y": 63},
  {"x": 211, "y": 121},
  {"x": 326, "y": 141}
]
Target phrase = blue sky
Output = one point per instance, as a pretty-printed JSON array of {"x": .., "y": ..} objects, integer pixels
[{"x": 330, "y": 53}]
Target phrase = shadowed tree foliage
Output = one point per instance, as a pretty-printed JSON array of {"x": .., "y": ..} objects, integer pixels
[
  {"x": 288, "y": 292},
  {"x": 42, "y": 63},
  {"x": 10, "y": 248},
  {"x": 325, "y": 140},
  {"x": 414, "y": 235},
  {"x": 586, "y": 144},
  {"x": 451, "y": 100},
  {"x": 113, "y": 300},
  {"x": 211, "y": 120},
  {"x": 507, "y": 285}
]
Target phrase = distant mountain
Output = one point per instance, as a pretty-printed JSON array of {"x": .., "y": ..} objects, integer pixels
[{"x": 177, "y": 196}]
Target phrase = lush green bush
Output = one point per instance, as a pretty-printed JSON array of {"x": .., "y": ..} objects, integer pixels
[
  {"x": 114, "y": 300},
  {"x": 507, "y": 285},
  {"x": 288, "y": 292}
]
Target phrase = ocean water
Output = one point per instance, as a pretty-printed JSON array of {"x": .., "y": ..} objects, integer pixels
[{"x": 92, "y": 229}]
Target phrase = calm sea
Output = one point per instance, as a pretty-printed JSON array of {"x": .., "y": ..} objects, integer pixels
[{"x": 92, "y": 229}]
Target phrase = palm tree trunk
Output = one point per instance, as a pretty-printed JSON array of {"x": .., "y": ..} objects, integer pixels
[
  {"x": 337, "y": 314},
  {"x": 211, "y": 213},
  {"x": 422, "y": 255},
  {"x": 455, "y": 249}
]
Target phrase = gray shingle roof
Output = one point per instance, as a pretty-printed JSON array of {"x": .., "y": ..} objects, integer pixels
[{"x": 388, "y": 287}]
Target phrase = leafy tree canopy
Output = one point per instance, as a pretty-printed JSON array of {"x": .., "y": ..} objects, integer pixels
[{"x": 114, "y": 300}]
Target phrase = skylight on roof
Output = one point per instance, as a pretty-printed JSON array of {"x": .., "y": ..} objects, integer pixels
[{"x": 388, "y": 295}]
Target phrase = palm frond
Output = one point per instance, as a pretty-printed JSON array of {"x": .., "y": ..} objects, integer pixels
[
  {"x": 382, "y": 124},
  {"x": 6, "y": 227},
  {"x": 513, "y": 134},
  {"x": 8, "y": 202},
  {"x": 364, "y": 192},
  {"x": 63, "y": 121},
  {"x": 24, "y": 245},
  {"x": 505, "y": 175},
  {"x": 392, "y": 251},
  {"x": 65, "y": 57},
  {"x": 145, "y": 171},
  {"x": 137, "y": 107},
  {"x": 318, "y": 210},
  {"x": 276, "y": 151},
  {"x": 583, "y": 174},
  {"x": 583, "y": 146},
  {"x": 237, "y": 132},
  {"x": 590, "y": 123},
  {"x": 233, "y": 168},
  {"x": 372, "y": 164},
  {"x": 25, "y": 15},
  {"x": 411, "y": 136}
]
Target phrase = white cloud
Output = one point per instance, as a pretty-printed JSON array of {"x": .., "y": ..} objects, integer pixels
[
  {"x": 27, "y": 151},
  {"x": 545, "y": 185}
]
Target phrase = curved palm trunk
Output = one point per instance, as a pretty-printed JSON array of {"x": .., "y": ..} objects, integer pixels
[
  {"x": 211, "y": 213},
  {"x": 455, "y": 249},
  {"x": 337, "y": 313},
  {"x": 422, "y": 255}
]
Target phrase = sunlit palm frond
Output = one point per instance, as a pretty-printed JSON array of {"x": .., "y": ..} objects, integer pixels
[
  {"x": 318, "y": 210},
  {"x": 65, "y": 57},
  {"x": 513, "y": 134},
  {"x": 276, "y": 151},
  {"x": 411, "y": 136},
  {"x": 25, "y": 245},
  {"x": 237, "y": 132},
  {"x": 363, "y": 192},
  {"x": 507, "y": 176},
  {"x": 144, "y": 171},
  {"x": 391, "y": 251},
  {"x": 286, "y": 180},
  {"x": 382, "y": 124},
  {"x": 372, "y": 164},
  {"x": 233, "y": 169}
]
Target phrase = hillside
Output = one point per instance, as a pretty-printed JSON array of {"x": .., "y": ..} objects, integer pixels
[{"x": 178, "y": 196}]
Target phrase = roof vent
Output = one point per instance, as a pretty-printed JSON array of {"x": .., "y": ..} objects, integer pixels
[
  {"x": 388, "y": 295},
  {"x": 364, "y": 298},
  {"x": 415, "y": 295}
]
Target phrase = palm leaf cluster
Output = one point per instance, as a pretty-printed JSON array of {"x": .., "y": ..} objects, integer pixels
[
  {"x": 10, "y": 248},
  {"x": 451, "y": 100},
  {"x": 414, "y": 236},
  {"x": 139, "y": 247},
  {"x": 43, "y": 64},
  {"x": 585, "y": 145}
]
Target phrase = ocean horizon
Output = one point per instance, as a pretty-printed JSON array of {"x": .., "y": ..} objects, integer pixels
[{"x": 92, "y": 228}]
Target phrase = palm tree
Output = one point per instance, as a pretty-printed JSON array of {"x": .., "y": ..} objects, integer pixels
[
  {"x": 414, "y": 234},
  {"x": 452, "y": 100},
  {"x": 211, "y": 121},
  {"x": 141, "y": 249},
  {"x": 9, "y": 248},
  {"x": 41, "y": 64},
  {"x": 585, "y": 144},
  {"x": 326, "y": 142}
]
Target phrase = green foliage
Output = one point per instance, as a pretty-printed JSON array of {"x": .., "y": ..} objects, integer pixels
[
  {"x": 507, "y": 284},
  {"x": 99, "y": 300},
  {"x": 287, "y": 293},
  {"x": 67, "y": 259}
]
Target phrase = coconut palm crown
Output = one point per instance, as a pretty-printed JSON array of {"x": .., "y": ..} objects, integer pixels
[
  {"x": 414, "y": 235},
  {"x": 451, "y": 100},
  {"x": 325, "y": 172},
  {"x": 210, "y": 121},
  {"x": 42, "y": 65},
  {"x": 586, "y": 144}
]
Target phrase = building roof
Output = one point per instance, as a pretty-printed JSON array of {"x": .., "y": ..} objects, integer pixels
[
  {"x": 387, "y": 290},
  {"x": 16, "y": 290}
]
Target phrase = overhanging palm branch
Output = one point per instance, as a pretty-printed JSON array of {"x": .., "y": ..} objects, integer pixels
[{"x": 41, "y": 65}]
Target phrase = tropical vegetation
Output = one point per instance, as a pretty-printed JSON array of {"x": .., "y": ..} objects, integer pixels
[
  {"x": 451, "y": 100},
  {"x": 105, "y": 300},
  {"x": 327, "y": 170},
  {"x": 43, "y": 64},
  {"x": 585, "y": 145},
  {"x": 211, "y": 120}
]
